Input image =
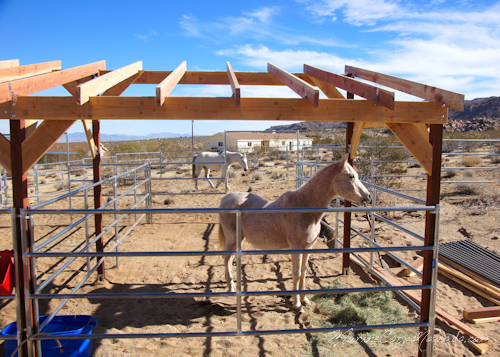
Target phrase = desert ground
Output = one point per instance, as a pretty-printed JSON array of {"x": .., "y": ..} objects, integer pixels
[{"x": 461, "y": 215}]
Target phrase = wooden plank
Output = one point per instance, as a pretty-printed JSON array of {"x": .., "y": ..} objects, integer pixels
[
  {"x": 235, "y": 86},
  {"x": 220, "y": 78},
  {"x": 485, "y": 320},
  {"x": 329, "y": 90},
  {"x": 423, "y": 129},
  {"x": 299, "y": 86},
  {"x": 358, "y": 128},
  {"x": 42, "y": 139},
  {"x": 413, "y": 296},
  {"x": 121, "y": 87},
  {"x": 470, "y": 287},
  {"x": 365, "y": 90},
  {"x": 417, "y": 264},
  {"x": 479, "y": 278},
  {"x": 71, "y": 86},
  {"x": 415, "y": 142},
  {"x": 168, "y": 84},
  {"x": 27, "y": 86},
  {"x": 469, "y": 280},
  {"x": 102, "y": 83},
  {"x": 9, "y": 63},
  {"x": 482, "y": 348},
  {"x": 481, "y": 312},
  {"x": 5, "y": 153},
  {"x": 432, "y": 94},
  {"x": 90, "y": 138},
  {"x": 199, "y": 108},
  {"x": 13, "y": 73},
  {"x": 30, "y": 126}
]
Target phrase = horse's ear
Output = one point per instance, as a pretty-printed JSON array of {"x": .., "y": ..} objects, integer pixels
[{"x": 344, "y": 158}]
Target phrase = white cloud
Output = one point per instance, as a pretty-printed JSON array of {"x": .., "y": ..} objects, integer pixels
[
  {"x": 190, "y": 26},
  {"x": 147, "y": 37}
]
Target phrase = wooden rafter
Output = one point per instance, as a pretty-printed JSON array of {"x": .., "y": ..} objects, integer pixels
[
  {"x": 9, "y": 63},
  {"x": 121, "y": 87},
  {"x": 201, "y": 108},
  {"x": 168, "y": 84},
  {"x": 358, "y": 128},
  {"x": 37, "y": 144},
  {"x": 299, "y": 86},
  {"x": 27, "y": 86},
  {"x": 71, "y": 86},
  {"x": 235, "y": 86},
  {"x": 329, "y": 90},
  {"x": 90, "y": 138},
  {"x": 415, "y": 142},
  {"x": 364, "y": 90},
  {"x": 102, "y": 83},
  {"x": 432, "y": 94},
  {"x": 13, "y": 73},
  {"x": 5, "y": 153}
]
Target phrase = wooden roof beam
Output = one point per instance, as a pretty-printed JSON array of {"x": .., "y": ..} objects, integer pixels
[
  {"x": 235, "y": 86},
  {"x": 168, "y": 84},
  {"x": 299, "y": 86},
  {"x": 13, "y": 73},
  {"x": 102, "y": 83},
  {"x": 9, "y": 63},
  {"x": 432, "y": 94},
  {"x": 329, "y": 90},
  {"x": 364, "y": 90},
  {"x": 71, "y": 86},
  {"x": 416, "y": 143},
  {"x": 121, "y": 87},
  {"x": 5, "y": 153},
  {"x": 27, "y": 86},
  {"x": 42, "y": 139},
  {"x": 201, "y": 108}
]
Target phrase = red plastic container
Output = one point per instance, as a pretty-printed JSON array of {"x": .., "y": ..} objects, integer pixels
[{"x": 6, "y": 272}]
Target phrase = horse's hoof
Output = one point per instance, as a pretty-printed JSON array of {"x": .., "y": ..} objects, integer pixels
[
  {"x": 305, "y": 301},
  {"x": 298, "y": 307}
]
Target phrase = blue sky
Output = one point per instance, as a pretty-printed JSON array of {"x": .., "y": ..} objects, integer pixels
[{"x": 449, "y": 44}]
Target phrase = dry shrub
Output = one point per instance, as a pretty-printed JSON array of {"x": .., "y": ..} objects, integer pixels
[
  {"x": 181, "y": 188},
  {"x": 449, "y": 174},
  {"x": 179, "y": 172},
  {"x": 168, "y": 201},
  {"x": 470, "y": 161},
  {"x": 43, "y": 182},
  {"x": 327, "y": 158},
  {"x": 276, "y": 163},
  {"x": 78, "y": 174},
  {"x": 261, "y": 164},
  {"x": 258, "y": 175},
  {"x": 495, "y": 159},
  {"x": 275, "y": 175},
  {"x": 481, "y": 204},
  {"x": 468, "y": 189},
  {"x": 60, "y": 187}
]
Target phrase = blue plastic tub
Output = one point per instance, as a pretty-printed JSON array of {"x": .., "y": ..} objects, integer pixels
[{"x": 61, "y": 325}]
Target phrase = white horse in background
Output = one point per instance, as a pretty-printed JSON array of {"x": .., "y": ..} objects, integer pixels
[
  {"x": 217, "y": 161},
  {"x": 289, "y": 230}
]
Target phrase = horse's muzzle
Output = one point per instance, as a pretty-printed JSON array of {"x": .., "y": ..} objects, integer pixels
[
  {"x": 245, "y": 169},
  {"x": 366, "y": 199}
]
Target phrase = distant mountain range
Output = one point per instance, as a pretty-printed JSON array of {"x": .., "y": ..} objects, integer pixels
[
  {"x": 479, "y": 114},
  {"x": 76, "y": 137}
]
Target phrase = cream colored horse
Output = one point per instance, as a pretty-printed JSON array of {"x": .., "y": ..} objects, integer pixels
[
  {"x": 289, "y": 230},
  {"x": 216, "y": 161}
]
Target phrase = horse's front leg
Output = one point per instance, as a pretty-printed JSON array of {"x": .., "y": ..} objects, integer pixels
[
  {"x": 302, "y": 284},
  {"x": 207, "y": 175},
  {"x": 296, "y": 264}
]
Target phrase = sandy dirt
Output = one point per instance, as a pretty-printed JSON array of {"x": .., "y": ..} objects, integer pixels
[{"x": 200, "y": 274}]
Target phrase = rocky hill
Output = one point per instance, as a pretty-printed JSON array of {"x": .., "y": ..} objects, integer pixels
[{"x": 479, "y": 114}]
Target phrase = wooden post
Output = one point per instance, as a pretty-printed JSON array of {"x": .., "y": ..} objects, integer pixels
[
  {"x": 20, "y": 201},
  {"x": 98, "y": 195},
  {"x": 347, "y": 215},
  {"x": 433, "y": 188}
]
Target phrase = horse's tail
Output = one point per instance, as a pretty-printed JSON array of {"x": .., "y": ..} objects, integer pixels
[
  {"x": 194, "y": 167},
  {"x": 222, "y": 238}
]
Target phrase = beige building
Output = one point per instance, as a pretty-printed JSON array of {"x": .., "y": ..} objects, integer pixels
[{"x": 244, "y": 140}]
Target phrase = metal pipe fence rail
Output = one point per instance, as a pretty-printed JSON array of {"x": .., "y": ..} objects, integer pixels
[{"x": 34, "y": 330}]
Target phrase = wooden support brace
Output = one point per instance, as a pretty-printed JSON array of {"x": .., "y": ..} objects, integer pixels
[
  {"x": 356, "y": 135},
  {"x": 90, "y": 138},
  {"x": 5, "y": 153},
  {"x": 168, "y": 84},
  {"x": 329, "y": 90},
  {"x": 42, "y": 139},
  {"x": 299, "y": 86},
  {"x": 102, "y": 83},
  {"x": 121, "y": 87},
  {"x": 30, "y": 85},
  {"x": 432, "y": 94},
  {"x": 415, "y": 142},
  {"x": 364, "y": 90},
  {"x": 71, "y": 86},
  {"x": 235, "y": 86},
  {"x": 30, "y": 126},
  {"x": 13, "y": 73}
]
